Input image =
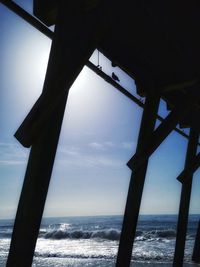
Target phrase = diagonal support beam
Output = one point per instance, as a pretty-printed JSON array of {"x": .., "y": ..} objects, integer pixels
[
  {"x": 190, "y": 169},
  {"x": 185, "y": 200},
  {"x": 136, "y": 185},
  {"x": 65, "y": 62},
  {"x": 50, "y": 100},
  {"x": 163, "y": 130}
]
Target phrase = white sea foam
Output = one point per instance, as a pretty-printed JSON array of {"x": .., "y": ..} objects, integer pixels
[{"x": 86, "y": 241}]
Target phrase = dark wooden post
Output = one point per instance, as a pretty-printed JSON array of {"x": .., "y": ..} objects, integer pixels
[
  {"x": 196, "y": 251},
  {"x": 67, "y": 58},
  {"x": 185, "y": 200},
  {"x": 136, "y": 185}
]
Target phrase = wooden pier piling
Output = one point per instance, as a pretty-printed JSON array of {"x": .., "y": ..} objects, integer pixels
[
  {"x": 44, "y": 136},
  {"x": 185, "y": 200},
  {"x": 136, "y": 185}
]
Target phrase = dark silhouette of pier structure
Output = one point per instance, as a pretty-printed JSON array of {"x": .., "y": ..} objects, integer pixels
[{"x": 158, "y": 44}]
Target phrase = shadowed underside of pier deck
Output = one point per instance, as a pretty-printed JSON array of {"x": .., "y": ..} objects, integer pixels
[{"x": 155, "y": 42}]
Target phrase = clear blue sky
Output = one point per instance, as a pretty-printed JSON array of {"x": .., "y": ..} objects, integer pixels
[{"x": 98, "y": 137}]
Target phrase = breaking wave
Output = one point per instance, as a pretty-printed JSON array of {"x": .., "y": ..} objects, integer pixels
[{"x": 110, "y": 234}]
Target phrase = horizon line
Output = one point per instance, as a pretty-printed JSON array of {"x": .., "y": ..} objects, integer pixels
[{"x": 111, "y": 215}]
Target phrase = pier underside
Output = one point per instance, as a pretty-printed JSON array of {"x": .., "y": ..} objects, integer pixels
[{"x": 156, "y": 43}]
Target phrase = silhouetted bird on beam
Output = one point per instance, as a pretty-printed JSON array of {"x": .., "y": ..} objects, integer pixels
[{"x": 115, "y": 77}]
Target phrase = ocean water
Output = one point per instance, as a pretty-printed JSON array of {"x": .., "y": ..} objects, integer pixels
[{"x": 93, "y": 241}]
